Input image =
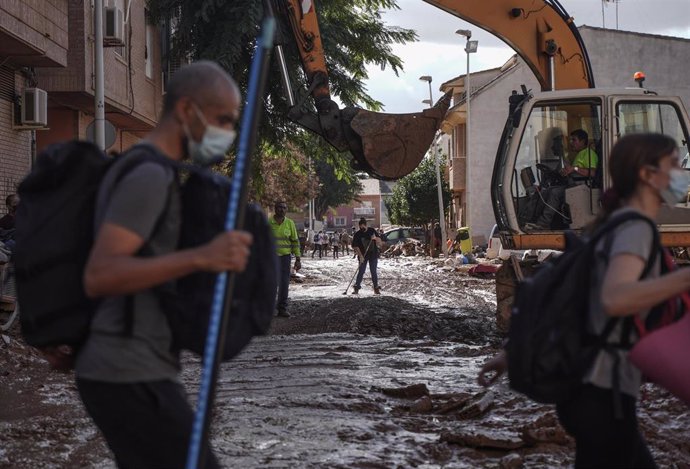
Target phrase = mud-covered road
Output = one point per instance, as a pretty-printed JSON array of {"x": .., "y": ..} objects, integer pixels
[{"x": 352, "y": 382}]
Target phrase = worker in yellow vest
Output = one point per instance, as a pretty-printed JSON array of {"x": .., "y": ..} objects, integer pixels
[{"x": 287, "y": 244}]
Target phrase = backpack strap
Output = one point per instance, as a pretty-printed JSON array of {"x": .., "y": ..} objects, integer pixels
[{"x": 149, "y": 154}]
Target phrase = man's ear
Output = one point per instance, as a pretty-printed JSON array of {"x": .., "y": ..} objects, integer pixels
[{"x": 183, "y": 109}]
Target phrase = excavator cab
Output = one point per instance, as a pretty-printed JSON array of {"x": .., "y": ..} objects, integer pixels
[{"x": 534, "y": 149}]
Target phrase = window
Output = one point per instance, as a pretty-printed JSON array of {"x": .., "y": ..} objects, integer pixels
[
  {"x": 393, "y": 235},
  {"x": 665, "y": 118},
  {"x": 122, "y": 51},
  {"x": 662, "y": 118},
  {"x": 340, "y": 221},
  {"x": 544, "y": 150},
  {"x": 148, "y": 47}
]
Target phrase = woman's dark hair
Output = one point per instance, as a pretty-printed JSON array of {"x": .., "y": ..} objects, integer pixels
[{"x": 630, "y": 154}]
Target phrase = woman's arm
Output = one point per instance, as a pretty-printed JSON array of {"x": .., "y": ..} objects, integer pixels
[{"x": 624, "y": 294}]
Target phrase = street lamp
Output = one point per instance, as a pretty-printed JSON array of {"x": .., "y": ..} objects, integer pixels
[
  {"x": 441, "y": 216},
  {"x": 470, "y": 48}
]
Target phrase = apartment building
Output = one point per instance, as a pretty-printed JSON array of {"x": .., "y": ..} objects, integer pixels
[
  {"x": 49, "y": 45},
  {"x": 33, "y": 33},
  {"x": 370, "y": 204}
]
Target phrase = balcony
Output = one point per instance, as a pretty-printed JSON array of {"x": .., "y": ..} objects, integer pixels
[
  {"x": 456, "y": 174},
  {"x": 34, "y": 33},
  {"x": 365, "y": 211}
]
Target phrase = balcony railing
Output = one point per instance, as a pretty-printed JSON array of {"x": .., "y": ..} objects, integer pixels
[{"x": 364, "y": 211}]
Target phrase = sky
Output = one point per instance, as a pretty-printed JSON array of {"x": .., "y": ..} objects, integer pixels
[{"x": 440, "y": 52}]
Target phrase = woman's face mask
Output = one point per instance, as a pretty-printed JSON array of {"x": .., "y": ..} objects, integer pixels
[
  {"x": 214, "y": 143},
  {"x": 677, "y": 190}
]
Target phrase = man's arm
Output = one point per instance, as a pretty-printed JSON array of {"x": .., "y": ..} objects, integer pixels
[
  {"x": 586, "y": 164},
  {"x": 114, "y": 269},
  {"x": 294, "y": 240}
]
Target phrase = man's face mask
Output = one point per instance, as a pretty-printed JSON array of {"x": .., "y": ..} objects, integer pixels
[{"x": 214, "y": 142}]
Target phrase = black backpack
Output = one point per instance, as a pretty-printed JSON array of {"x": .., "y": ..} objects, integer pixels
[
  {"x": 54, "y": 234},
  {"x": 205, "y": 197},
  {"x": 55, "y": 224},
  {"x": 550, "y": 347}
]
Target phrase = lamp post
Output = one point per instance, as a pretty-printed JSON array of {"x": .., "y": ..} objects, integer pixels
[
  {"x": 470, "y": 48},
  {"x": 442, "y": 218}
]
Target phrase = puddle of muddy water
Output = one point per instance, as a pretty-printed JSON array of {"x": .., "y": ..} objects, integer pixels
[{"x": 318, "y": 405}]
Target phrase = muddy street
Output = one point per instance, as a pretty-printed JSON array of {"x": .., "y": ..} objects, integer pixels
[{"x": 347, "y": 382}]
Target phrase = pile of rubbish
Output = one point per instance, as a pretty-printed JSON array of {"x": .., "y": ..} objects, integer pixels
[{"x": 407, "y": 248}]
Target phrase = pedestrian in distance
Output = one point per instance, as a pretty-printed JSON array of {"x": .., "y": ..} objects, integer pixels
[
  {"x": 646, "y": 174},
  {"x": 438, "y": 237},
  {"x": 345, "y": 242},
  {"x": 317, "y": 244},
  {"x": 129, "y": 383},
  {"x": 7, "y": 220},
  {"x": 287, "y": 245},
  {"x": 7, "y": 223},
  {"x": 335, "y": 245},
  {"x": 325, "y": 242},
  {"x": 366, "y": 245}
]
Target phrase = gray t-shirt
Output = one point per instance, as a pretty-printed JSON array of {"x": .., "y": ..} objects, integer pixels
[
  {"x": 633, "y": 237},
  {"x": 146, "y": 202}
]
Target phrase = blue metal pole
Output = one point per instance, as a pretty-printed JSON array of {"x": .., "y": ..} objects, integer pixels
[{"x": 222, "y": 299}]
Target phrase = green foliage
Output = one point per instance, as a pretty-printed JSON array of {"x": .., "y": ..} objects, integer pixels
[
  {"x": 353, "y": 35},
  {"x": 333, "y": 190},
  {"x": 415, "y": 197}
]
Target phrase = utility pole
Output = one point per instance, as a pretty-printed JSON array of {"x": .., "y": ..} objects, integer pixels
[
  {"x": 434, "y": 153},
  {"x": 470, "y": 48},
  {"x": 99, "y": 92}
]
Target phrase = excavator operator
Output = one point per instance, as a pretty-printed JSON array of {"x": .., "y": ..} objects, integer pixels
[{"x": 582, "y": 169}]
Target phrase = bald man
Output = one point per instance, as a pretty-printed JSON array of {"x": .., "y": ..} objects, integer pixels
[{"x": 129, "y": 382}]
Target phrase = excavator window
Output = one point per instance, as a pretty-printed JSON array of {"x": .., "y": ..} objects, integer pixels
[
  {"x": 665, "y": 118},
  {"x": 545, "y": 199}
]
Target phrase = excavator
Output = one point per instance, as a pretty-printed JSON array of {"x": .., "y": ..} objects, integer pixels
[{"x": 532, "y": 146}]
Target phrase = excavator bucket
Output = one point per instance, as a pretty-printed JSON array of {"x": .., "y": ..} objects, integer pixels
[{"x": 393, "y": 145}]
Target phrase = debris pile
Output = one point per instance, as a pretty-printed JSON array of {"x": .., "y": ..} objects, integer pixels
[
  {"x": 407, "y": 248},
  {"x": 459, "y": 414}
]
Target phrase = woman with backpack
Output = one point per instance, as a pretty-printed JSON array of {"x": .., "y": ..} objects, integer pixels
[{"x": 627, "y": 284}]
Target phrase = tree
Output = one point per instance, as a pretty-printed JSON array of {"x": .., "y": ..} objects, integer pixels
[
  {"x": 415, "y": 196},
  {"x": 332, "y": 190},
  {"x": 295, "y": 179},
  {"x": 353, "y": 34}
]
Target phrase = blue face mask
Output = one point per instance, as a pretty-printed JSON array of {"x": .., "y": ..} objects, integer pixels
[
  {"x": 214, "y": 143},
  {"x": 677, "y": 190}
]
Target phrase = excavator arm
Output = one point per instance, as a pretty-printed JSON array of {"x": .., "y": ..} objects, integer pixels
[
  {"x": 389, "y": 146},
  {"x": 540, "y": 32}
]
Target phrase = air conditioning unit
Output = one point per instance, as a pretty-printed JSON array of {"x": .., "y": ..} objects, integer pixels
[
  {"x": 113, "y": 27},
  {"x": 34, "y": 107}
]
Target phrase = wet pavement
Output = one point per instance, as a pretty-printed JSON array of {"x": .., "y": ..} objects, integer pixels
[{"x": 347, "y": 381}]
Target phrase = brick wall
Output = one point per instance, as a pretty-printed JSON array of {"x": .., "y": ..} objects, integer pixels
[
  {"x": 15, "y": 149},
  {"x": 131, "y": 93}
]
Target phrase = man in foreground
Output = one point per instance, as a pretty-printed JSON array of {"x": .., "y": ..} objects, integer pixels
[{"x": 127, "y": 371}]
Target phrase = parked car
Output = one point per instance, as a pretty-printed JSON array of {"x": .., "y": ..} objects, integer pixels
[{"x": 394, "y": 235}]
